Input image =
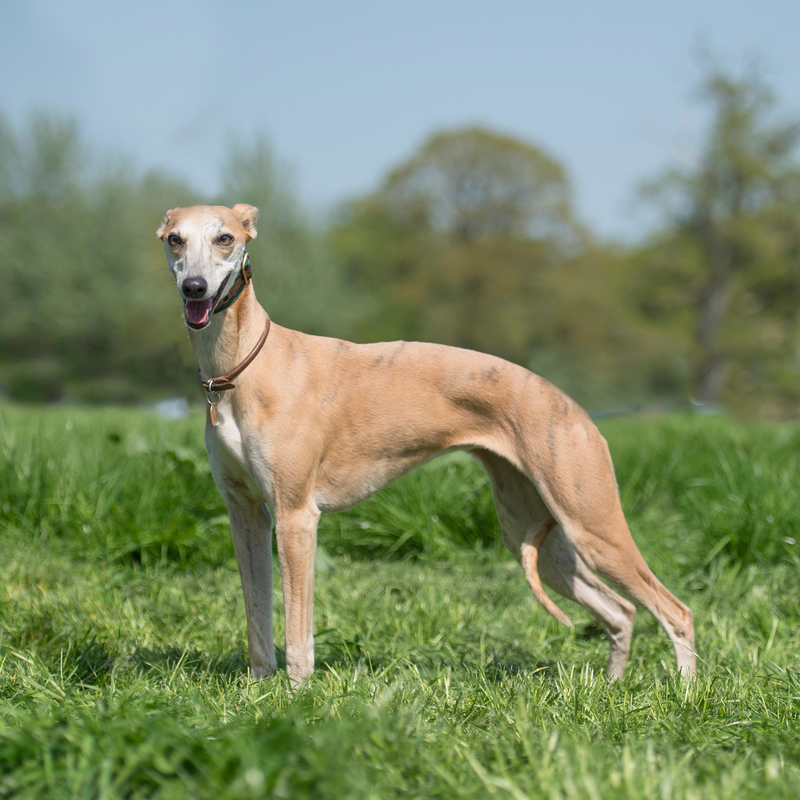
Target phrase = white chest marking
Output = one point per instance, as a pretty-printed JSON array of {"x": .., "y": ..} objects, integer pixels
[
  {"x": 228, "y": 433},
  {"x": 230, "y": 455}
]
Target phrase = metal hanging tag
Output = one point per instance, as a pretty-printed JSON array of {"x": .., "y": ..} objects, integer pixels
[{"x": 213, "y": 398}]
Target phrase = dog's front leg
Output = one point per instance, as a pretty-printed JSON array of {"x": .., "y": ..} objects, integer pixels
[
  {"x": 297, "y": 540},
  {"x": 251, "y": 530}
]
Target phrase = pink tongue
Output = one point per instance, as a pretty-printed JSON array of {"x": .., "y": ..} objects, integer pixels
[{"x": 198, "y": 311}]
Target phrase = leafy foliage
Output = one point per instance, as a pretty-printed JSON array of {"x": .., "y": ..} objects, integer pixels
[
  {"x": 730, "y": 253},
  {"x": 95, "y": 315},
  {"x": 473, "y": 184},
  {"x": 472, "y": 241},
  {"x": 91, "y": 316},
  {"x": 295, "y": 278}
]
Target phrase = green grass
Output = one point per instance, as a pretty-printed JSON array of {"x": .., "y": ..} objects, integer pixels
[{"x": 123, "y": 665}]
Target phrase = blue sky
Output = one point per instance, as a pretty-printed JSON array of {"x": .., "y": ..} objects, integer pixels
[{"x": 345, "y": 90}]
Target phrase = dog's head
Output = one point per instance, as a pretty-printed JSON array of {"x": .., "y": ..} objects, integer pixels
[{"x": 205, "y": 246}]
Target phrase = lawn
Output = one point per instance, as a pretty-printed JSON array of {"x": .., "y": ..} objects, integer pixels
[{"x": 123, "y": 662}]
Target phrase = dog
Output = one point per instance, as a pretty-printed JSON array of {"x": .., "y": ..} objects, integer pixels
[{"x": 298, "y": 425}]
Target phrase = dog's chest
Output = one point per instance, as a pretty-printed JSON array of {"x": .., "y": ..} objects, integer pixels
[
  {"x": 231, "y": 453},
  {"x": 227, "y": 436}
]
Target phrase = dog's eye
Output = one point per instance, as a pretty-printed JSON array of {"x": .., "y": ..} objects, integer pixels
[
  {"x": 174, "y": 240},
  {"x": 226, "y": 238}
]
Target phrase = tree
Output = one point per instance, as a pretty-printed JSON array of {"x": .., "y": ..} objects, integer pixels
[
  {"x": 473, "y": 184},
  {"x": 94, "y": 313},
  {"x": 452, "y": 245},
  {"x": 91, "y": 311},
  {"x": 295, "y": 279},
  {"x": 731, "y": 229}
]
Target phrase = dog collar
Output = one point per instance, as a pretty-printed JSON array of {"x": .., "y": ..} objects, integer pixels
[
  {"x": 223, "y": 383},
  {"x": 242, "y": 279}
]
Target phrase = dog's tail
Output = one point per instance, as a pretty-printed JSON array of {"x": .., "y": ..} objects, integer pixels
[{"x": 529, "y": 557}]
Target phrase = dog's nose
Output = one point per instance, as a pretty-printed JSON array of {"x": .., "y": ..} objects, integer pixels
[{"x": 194, "y": 288}]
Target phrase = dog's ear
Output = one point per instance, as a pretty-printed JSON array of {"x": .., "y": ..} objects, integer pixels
[
  {"x": 165, "y": 223},
  {"x": 247, "y": 215}
]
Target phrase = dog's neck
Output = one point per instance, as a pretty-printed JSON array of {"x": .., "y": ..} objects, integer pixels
[{"x": 230, "y": 336}]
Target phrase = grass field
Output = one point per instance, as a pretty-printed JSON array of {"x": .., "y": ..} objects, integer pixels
[{"x": 123, "y": 664}]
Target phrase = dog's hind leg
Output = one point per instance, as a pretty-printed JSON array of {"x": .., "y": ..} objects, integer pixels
[
  {"x": 528, "y": 558},
  {"x": 562, "y": 568},
  {"x": 618, "y": 560},
  {"x": 529, "y": 530},
  {"x": 576, "y": 481},
  {"x": 251, "y": 530}
]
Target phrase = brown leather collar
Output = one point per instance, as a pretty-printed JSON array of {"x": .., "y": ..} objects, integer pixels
[{"x": 225, "y": 382}]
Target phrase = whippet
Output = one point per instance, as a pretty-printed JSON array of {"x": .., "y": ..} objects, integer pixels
[{"x": 297, "y": 425}]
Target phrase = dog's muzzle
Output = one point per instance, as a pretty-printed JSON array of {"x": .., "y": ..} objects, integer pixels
[{"x": 198, "y": 312}]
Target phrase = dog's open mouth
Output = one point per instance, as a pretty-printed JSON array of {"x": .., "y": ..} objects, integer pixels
[{"x": 198, "y": 312}]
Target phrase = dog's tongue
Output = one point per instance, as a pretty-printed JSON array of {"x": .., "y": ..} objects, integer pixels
[{"x": 198, "y": 311}]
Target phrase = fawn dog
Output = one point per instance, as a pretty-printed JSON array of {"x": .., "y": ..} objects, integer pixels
[{"x": 314, "y": 424}]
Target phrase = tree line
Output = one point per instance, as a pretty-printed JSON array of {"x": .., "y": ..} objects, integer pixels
[{"x": 473, "y": 241}]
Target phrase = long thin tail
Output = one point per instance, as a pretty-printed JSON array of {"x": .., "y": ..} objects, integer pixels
[{"x": 529, "y": 553}]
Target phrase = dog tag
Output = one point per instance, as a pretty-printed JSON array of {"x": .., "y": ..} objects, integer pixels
[{"x": 213, "y": 399}]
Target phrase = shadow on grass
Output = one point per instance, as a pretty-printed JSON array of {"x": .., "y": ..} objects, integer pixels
[
  {"x": 189, "y": 662},
  {"x": 88, "y": 662},
  {"x": 337, "y": 652}
]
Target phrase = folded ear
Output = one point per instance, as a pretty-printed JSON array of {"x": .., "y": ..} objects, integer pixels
[
  {"x": 247, "y": 215},
  {"x": 165, "y": 223}
]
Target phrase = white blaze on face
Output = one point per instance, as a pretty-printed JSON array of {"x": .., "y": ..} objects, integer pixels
[{"x": 200, "y": 258}]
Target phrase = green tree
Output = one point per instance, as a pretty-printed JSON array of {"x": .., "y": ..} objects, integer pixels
[
  {"x": 472, "y": 184},
  {"x": 453, "y": 243},
  {"x": 92, "y": 311},
  {"x": 730, "y": 252},
  {"x": 89, "y": 312},
  {"x": 295, "y": 279},
  {"x": 473, "y": 242}
]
